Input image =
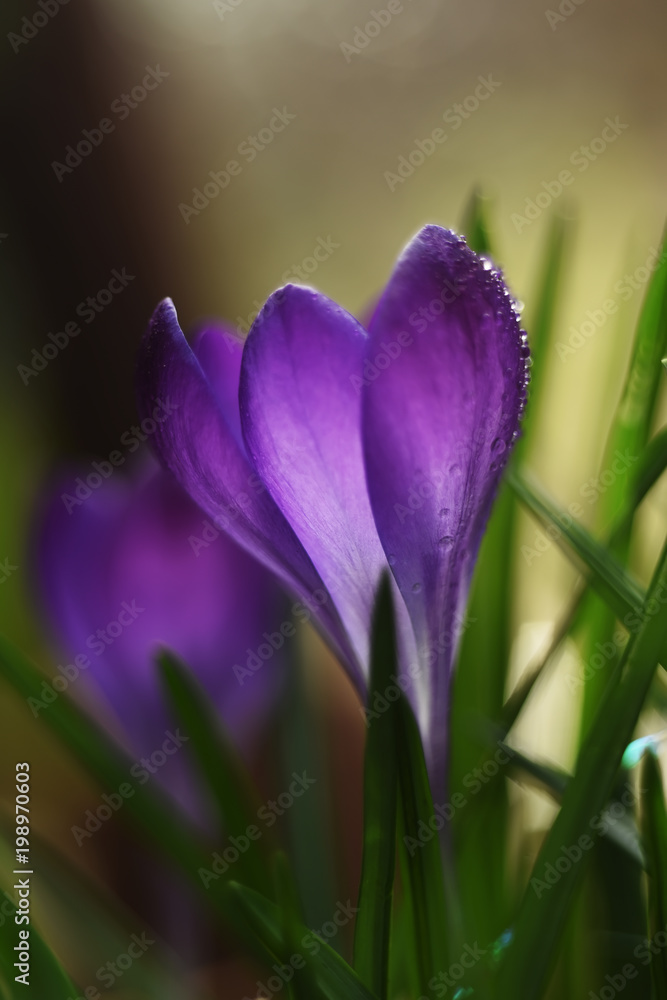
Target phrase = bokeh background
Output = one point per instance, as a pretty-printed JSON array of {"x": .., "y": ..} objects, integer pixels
[{"x": 559, "y": 72}]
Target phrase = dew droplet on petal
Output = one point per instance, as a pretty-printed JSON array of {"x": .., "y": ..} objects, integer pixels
[
  {"x": 416, "y": 587},
  {"x": 446, "y": 541},
  {"x": 498, "y": 446},
  {"x": 444, "y": 512}
]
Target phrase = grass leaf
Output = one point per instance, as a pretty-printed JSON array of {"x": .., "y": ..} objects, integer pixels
[
  {"x": 622, "y": 594},
  {"x": 47, "y": 978},
  {"x": 219, "y": 764},
  {"x": 546, "y": 904},
  {"x": 334, "y": 977},
  {"x": 654, "y": 835},
  {"x": 371, "y": 939},
  {"x": 475, "y": 224},
  {"x": 437, "y": 922}
]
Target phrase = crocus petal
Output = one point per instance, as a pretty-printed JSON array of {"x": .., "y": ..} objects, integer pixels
[
  {"x": 198, "y": 442},
  {"x": 219, "y": 351},
  {"x": 129, "y": 569},
  {"x": 301, "y": 417},
  {"x": 439, "y": 420}
]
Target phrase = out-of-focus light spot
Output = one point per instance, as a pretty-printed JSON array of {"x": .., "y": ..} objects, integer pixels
[{"x": 636, "y": 750}]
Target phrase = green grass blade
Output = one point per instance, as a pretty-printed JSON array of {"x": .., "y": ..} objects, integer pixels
[
  {"x": 91, "y": 921},
  {"x": 371, "y": 938},
  {"x": 224, "y": 773},
  {"x": 622, "y": 594},
  {"x": 47, "y": 978},
  {"x": 148, "y": 807},
  {"x": 437, "y": 922},
  {"x": 100, "y": 756},
  {"x": 403, "y": 971},
  {"x": 654, "y": 836},
  {"x": 475, "y": 225},
  {"x": 623, "y": 834},
  {"x": 309, "y": 821},
  {"x": 519, "y": 697},
  {"x": 481, "y": 679},
  {"x": 634, "y": 416},
  {"x": 627, "y": 439},
  {"x": 652, "y": 464},
  {"x": 334, "y": 977},
  {"x": 546, "y": 906},
  {"x": 161, "y": 821},
  {"x": 478, "y": 692},
  {"x": 541, "y": 319},
  {"x": 302, "y": 985}
]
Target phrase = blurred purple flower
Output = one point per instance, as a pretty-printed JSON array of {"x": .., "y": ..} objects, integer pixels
[
  {"x": 331, "y": 452},
  {"x": 135, "y": 566}
]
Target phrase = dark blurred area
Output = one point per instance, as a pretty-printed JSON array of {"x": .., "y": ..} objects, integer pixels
[{"x": 226, "y": 69}]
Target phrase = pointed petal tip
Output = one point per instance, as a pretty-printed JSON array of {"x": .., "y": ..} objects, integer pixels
[
  {"x": 288, "y": 294},
  {"x": 472, "y": 276},
  {"x": 439, "y": 238},
  {"x": 164, "y": 310},
  {"x": 290, "y": 303}
]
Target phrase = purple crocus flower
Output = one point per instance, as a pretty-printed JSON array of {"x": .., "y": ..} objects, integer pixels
[
  {"x": 137, "y": 565},
  {"x": 333, "y": 451}
]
